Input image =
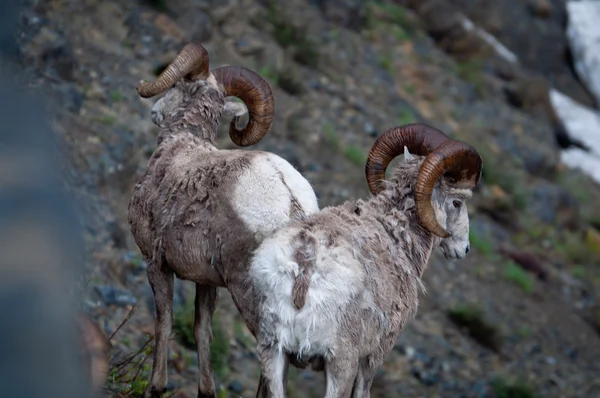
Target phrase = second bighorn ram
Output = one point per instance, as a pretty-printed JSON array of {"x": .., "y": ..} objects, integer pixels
[
  {"x": 198, "y": 212},
  {"x": 339, "y": 286}
]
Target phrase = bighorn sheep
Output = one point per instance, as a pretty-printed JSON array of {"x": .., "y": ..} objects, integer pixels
[
  {"x": 199, "y": 212},
  {"x": 340, "y": 285}
]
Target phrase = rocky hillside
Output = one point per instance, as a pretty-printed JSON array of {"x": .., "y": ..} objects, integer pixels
[{"x": 520, "y": 317}]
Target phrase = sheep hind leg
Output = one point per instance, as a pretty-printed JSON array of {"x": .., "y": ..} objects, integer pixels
[
  {"x": 205, "y": 304},
  {"x": 273, "y": 372},
  {"x": 340, "y": 377},
  {"x": 263, "y": 386},
  {"x": 161, "y": 282},
  {"x": 363, "y": 382}
]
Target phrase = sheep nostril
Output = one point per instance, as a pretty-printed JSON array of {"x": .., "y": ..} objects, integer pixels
[{"x": 467, "y": 249}]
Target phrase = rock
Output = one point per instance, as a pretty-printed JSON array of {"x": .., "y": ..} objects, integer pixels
[
  {"x": 583, "y": 124},
  {"x": 114, "y": 296},
  {"x": 50, "y": 52},
  {"x": 583, "y": 34},
  {"x": 541, "y": 8},
  {"x": 236, "y": 387},
  {"x": 249, "y": 45},
  {"x": 547, "y": 200},
  {"x": 197, "y": 25},
  {"x": 169, "y": 27}
]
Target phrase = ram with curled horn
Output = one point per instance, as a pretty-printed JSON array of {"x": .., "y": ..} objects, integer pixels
[
  {"x": 198, "y": 211},
  {"x": 337, "y": 288}
]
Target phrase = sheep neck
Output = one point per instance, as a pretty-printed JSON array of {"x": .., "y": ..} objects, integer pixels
[
  {"x": 182, "y": 127},
  {"x": 395, "y": 210}
]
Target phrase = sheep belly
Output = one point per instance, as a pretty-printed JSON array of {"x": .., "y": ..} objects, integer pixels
[{"x": 313, "y": 330}]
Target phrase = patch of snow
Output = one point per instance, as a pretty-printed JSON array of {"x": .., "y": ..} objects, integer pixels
[
  {"x": 582, "y": 123},
  {"x": 583, "y": 33}
]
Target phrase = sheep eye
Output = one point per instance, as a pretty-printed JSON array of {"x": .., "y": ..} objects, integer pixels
[{"x": 456, "y": 204}]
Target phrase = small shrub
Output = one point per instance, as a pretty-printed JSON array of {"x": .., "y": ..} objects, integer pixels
[
  {"x": 519, "y": 276},
  {"x": 472, "y": 71},
  {"x": 406, "y": 117},
  {"x": 512, "y": 389},
  {"x": 268, "y": 73},
  {"x": 116, "y": 96},
  {"x": 183, "y": 324},
  {"x": 387, "y": 62},
  {"x": 482, "y": 244},
  {"x": 331, "y": 136},
  {"x": 303, "y": 49},
  {"x": 355, "y": 155},
  {"x": 470, "y": 317}
]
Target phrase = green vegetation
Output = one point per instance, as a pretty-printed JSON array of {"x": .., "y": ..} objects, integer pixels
[
  {"x": 129, "y": 376},
  {"x": 285, "y": 78},
  {"x": 390, "y": 16},
  {"x": 331, "y": 136},
  {"x": 183, "y": 327},
  {"x": 406, "y": 116},
  {"x": 512, "y": 389},
  {"x": 507, "y": 177},
  {"x": 352, "y": 152},
  {"x": 482, "y": 244},
  {"x": 355, "y": 155},
  {"x": 386, "y": 61},
  {"x": 471, "y": 70},
  {"x": 519, "y": 276},
  {"x": 296, "y": 40},
  {"x": 470, "y": 317},
  {"x": 116, "y": 96}
]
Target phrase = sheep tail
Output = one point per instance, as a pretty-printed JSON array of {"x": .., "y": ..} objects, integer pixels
[{"x": 305, "y": 258}]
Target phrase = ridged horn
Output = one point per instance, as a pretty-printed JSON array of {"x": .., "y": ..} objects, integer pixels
[
  {"x": 420, "y": 140},
  {"x": 258, "y": 97},
  {"x": 191, "y": 62},
  {"x": 459, "y": 163},
  {"x": 456, "y": 160}
]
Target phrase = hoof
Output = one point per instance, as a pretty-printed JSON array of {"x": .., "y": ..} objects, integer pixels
[{"x": 206, "y": 394}]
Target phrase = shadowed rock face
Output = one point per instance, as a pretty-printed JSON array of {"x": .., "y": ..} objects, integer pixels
[{"x": 546, "y": 49}]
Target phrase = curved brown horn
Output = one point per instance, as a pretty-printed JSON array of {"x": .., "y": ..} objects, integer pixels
[
  {"x": 420, "y": 139},
  {"x": 191, "y": 62},
  {"x": 258, "y": 97},
  {"x": 95, "y": 351},
  {"x": 457, "y": 161}
]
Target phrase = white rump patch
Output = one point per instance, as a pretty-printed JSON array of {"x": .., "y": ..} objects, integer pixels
[{"x": 263, "y": 201}]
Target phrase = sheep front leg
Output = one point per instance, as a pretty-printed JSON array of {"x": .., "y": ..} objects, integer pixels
[
  {"x": 206, "y": 301},
  {"x": 161, "y": 281},
  {"x": 273, "y": 370},
  {"x": 340, "y": 376}
]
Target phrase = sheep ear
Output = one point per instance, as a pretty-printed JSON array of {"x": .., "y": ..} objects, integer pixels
[
  {"x": 407, "y": 155},
  {"x": 235, "y": 108}
]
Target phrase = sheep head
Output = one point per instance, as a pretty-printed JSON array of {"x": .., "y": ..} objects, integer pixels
[
  {"x": 448, "y": 172},
  {"x": 191, "y": 87}
]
